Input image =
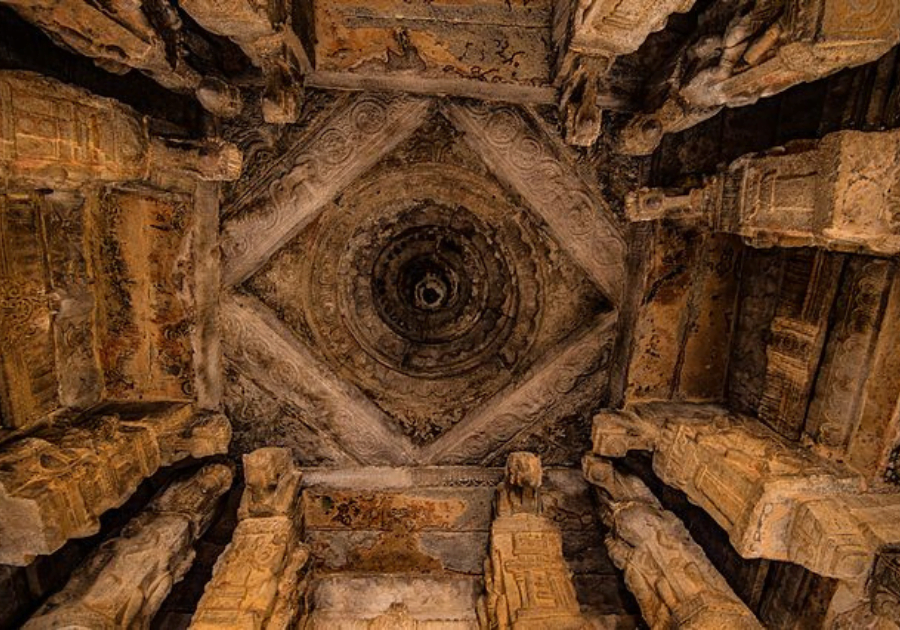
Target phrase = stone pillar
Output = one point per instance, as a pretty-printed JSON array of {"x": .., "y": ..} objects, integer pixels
[
  {"x": 526, "y": 549},
  {"x": 775, "y": 499},
  {"x": 766, "y": 49},
  {"x": 125, "y": 581},
  {"x": 264, "y": 33},
  {"x": 257, "y": 581},
  {"x": 58, "y": 136},
  {"x": 839, "y": 193},
  {"x": 54, "y": 486},
  {"x": 590, "y": 35},
  {"x": 673, "y": 581}
]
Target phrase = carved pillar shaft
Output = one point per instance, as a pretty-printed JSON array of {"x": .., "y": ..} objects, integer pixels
[
  {"x": 55, "y": 486},
  {"x": 126, "y": 580},
  {"x": 674, "y": 583}
]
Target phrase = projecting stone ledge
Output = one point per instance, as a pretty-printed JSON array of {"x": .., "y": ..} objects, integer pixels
[
  {"x": 125, "y": 581},
  {"x": 56, "y": 486}
]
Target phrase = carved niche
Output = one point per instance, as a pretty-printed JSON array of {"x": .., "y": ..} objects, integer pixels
[
  {"x": 125, "y": 581},
  {"x": 675, "y": 584}
]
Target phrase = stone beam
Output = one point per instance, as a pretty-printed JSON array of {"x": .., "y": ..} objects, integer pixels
[
  {"x": 523, "y": 155},
  {"x": 125, "y": 581},
  {"x": 119, "y": 36},
  {"x": 526, "y": 548},
  {"x": 675, "y": 584},
  {"x": 257, "y": 580},
  {"x": 839, "y": 193},
  {"x": 268, "y": 353},
  {"x": 57, "y": 136},
  {"x": 767, "y": 49},
  {"x": 265, "y": 34},
  {"x": 590, "y": 35},
  {"x": 520, "y": 407},
  {"x": 54, "y": 486},
  {"x": 345, "y": 143},
  {"x": 775, "y": 499}
]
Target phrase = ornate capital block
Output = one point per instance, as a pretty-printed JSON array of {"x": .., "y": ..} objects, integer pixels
[
  {"x": 55, "y": 487},
  {"x": 839, "y": 193},
  {"x": 673, "y": 581},
  {"x": 125, "y": 581},
  {"x": 57, "y": 136},
  {"x": 257, "y": 581}
]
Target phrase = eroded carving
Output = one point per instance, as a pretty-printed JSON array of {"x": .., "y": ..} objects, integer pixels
[
  {"x": 124, "y": 582},
  {"x": 58, "y": 136},
  {"x": 56, "y": 486},
  {"x": 674, "y": 582},
  {"x": 838, "y": 193}
]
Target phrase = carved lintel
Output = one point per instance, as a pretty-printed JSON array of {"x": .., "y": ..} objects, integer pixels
[
  {"x": 125, "y": 581},
  {"x": 56, "y": 486},
  {"x": 675, "y": 584},
  {"x": 257, "y": 580},
  {"x": 768, "y": 48}
]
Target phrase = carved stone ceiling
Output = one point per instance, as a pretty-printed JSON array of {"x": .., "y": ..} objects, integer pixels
[{"x": 418, "y": 281}]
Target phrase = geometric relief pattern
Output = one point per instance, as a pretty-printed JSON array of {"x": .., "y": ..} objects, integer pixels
[{"x": 409, "y": 293}]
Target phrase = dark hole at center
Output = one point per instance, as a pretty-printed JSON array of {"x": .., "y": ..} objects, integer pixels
[{"x": 430, "y": 296}]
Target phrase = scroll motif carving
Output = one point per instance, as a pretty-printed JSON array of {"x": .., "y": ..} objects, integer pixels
[
  {"x": 673, "y": 581},
  {"x": 838, "y": 193},
  {"x": 523, "y": 155},
  {"x": 56, "y": 486},
  {"x": 125, "y": 581},
  {"x": 776, "y": 500},
  {"x": 526, "y": 548},
  {"x": 256, "y": 581},
  {"x": 349, "y": 141},
  {"x": 761, "y": 51}
]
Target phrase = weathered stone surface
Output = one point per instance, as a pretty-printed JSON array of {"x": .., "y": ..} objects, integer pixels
[
  {"x": 747, "y": 51},
  {"x": 257, "y": 581},
  {"x": 56, "y": 486},
  {"x": 837, "y": 193},
  {"x": 675, "y": 584},
  {"x": 775, "y": 499},
  {"x": 395, "y": 602},
  {"x": 125, "y": 581}
]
